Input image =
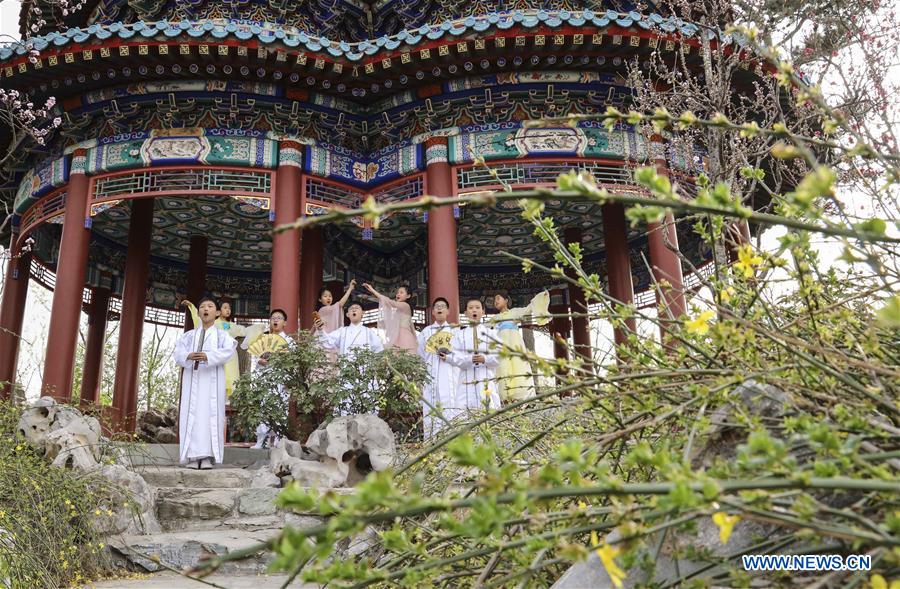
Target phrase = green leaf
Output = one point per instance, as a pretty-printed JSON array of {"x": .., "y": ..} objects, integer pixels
[{"x": 889, "y": 314}]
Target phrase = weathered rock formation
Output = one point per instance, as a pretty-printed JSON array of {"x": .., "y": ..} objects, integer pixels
[
  {"x": 157, "y": 426},
  {"x": 70, "y": 439},
  {"x": 337, "y": 454}
]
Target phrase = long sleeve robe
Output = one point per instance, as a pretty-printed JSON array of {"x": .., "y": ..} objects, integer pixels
[
  {"x": 396, "y": 321},
  {"x": 514, "y": 377},
  {"x": 348, "y": 338},
  {"x": 438, "y": 396},
  {"x": 201, "y": 421},
  {"x": 476, "y": 381}
]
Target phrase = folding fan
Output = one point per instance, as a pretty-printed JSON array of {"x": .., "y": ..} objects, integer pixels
[
  {"x": 266, "y": 344},
  {"x": 439, "y": 341}
]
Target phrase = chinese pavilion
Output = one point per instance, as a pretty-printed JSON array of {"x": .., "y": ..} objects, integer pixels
[{"x": 191, "y": 127}]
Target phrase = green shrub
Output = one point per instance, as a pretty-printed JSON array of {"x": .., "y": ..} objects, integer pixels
[
  {"x": 46, "y": 537},
  {"x": 363, "y": 382}
]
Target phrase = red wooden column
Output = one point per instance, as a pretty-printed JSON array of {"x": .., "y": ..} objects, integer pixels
[
  {"x": 131, "y": 324},
  {"x": 312, "y": 245},
  {"x": 618, "y": 264},
  {"x": 286, "y": 245},
  {"x": 196, "y": 278},
  {"x": 663, "y": 242},
  {"x": 443, "y": 265},
  {"x": 581, "y": 334},
  {"x": 71, "y": 268},
  {"x": 93, "y": 349},
  {"x": 12, "y": 313}
]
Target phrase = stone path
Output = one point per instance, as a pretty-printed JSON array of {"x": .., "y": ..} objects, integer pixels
[{"x": 174, "y": 581}]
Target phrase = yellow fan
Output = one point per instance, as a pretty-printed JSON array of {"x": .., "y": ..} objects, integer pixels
[
  {"x": 266, "y": 344},
  {"x": 440, "y": 340}
]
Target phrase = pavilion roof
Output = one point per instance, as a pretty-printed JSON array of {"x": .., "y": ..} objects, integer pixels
[{"x": 271, "y": 33}]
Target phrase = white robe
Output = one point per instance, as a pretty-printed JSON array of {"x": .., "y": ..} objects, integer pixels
[
  {"x": 438, "y": 395},
  {"x": 263, "y": 429},
  {"x": 348, "y": 338},
  {"x": 476, "y": 381},
  {"x": 201, "y": 421}
]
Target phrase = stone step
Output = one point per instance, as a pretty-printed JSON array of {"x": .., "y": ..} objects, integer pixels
[
  {"x": 185, "y": 550},
  {"x": 177, "y": 476},
  {"x": 167, "y": 455}
]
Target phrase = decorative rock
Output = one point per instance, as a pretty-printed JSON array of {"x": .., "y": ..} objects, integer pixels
[
  {"x": 130, "y": 499},
  {"x": 354, "y": 444},
  {"x": 265, "y": 479},
  {"x": 317, "y": 474},
  {"x": 63, "y": 433},
  {"x": 721, "y": 441},
  {"x": 166, "y": 435},
  {"x": 152, "y": 417},
  {"x": 257, "y": 501}
]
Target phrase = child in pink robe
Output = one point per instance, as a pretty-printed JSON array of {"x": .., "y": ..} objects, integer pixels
[
  {"x": 396, "y": 319},
  {"x": 330, "y": 313}
]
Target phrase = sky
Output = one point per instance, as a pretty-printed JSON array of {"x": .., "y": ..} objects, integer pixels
[{"x": 39, "y": 300}]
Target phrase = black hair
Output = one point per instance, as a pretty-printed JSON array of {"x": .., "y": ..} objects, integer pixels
[
  {"x": 203, "y": 299},
  {"x": 282, "y": 311},
  {"x": 509, "y": 300},
  {"x": 351, "y": 303},
  {"x": 440, "y": 300},
  {"x": 322, "y": 291},
  {"x": 470, "y": 299},
  {"x": 409, "y": 291}
]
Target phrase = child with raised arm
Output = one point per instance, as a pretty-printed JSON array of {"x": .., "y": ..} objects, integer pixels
[
  {"x": 329, "y": 311},
  {"x": 396, "y": 318},
  {"x": 472, "y": 354}
]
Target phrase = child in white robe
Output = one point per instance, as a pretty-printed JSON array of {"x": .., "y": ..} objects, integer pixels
[
  {"x": 473, "y": 354},
  {"x": 348, "y": 338},
  {"x": 435, "y": 347},
  {"x": 202, "y": 353},
  {"x": 264, "y": 433}
]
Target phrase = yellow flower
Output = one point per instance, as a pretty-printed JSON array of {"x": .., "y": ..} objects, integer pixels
[
  {"x": 97, "y": 512},
  {"x": 878, "y": 582},
  {"x": 727, "y": 293},
  {"x": 583, "y": 507},
  {"x": 487, "y": 391},
  {"x": 700, "y": 324},
  {"x": 607, "y": 555},
  {"x": 726, "y": 524},
  {"x": 747, "y": 261}
]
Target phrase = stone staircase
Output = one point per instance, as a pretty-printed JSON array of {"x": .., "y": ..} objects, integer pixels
[{"x": 204, "y": 513}]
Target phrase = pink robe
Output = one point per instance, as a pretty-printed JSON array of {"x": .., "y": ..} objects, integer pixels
[
  {"x": 396, "y": 321},
  {"x": 332, "y": 318}
]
